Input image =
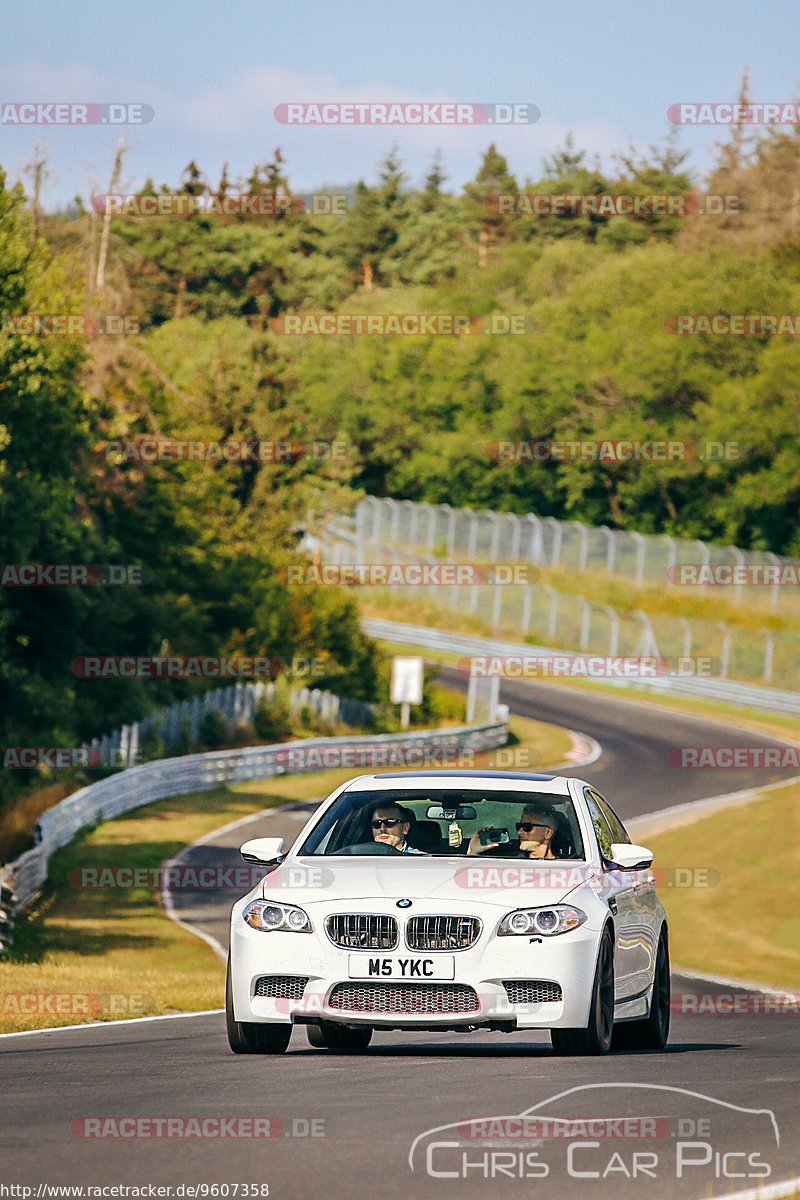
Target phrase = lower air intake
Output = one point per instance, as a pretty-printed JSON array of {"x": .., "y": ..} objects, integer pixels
[
  {"x": 531, "y": 991},
  {"x": 423, "y": 999},
  {"x": 281, "y": 987}
]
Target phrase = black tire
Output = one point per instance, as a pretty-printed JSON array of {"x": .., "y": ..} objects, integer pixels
[
  {"x": 329, "y": 1036},
  {"x": 250, "y": 1037},
  {"x": 652, "y": 1032},
  {"x": 596, "y": 1037}
]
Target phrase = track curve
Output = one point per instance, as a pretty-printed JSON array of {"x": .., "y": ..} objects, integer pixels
[{"x": 371, "y": 1108}]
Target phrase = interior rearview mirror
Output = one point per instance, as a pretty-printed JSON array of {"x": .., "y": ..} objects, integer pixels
[{"x": 464, "y": 812}]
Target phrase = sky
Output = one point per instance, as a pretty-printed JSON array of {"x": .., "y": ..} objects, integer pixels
[{"x": 604, "y": 70}]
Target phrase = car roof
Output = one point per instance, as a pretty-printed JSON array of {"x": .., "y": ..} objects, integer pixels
[{"x": 515, "y": 781}]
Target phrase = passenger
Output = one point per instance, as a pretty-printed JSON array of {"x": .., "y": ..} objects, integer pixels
[{"x": 535, "y": 829}]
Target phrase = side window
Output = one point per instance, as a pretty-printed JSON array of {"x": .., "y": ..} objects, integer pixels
[
  {"x": 601, "y": 827},
  {"x": 618, "y": 831}
]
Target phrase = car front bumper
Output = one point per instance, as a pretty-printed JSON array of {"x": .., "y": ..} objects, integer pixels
[{"x": 511, "y": 982}]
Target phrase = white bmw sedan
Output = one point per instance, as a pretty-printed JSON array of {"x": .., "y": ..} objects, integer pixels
[{"x": 453, "y": 900}]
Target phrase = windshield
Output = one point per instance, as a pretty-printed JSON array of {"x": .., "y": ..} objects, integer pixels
[{"x": 492, "y": 824}]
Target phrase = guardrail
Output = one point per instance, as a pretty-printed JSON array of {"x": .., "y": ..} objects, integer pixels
[
  {"x": 236, "y": 704},
  {"x": 165, "y": 777},
  {"x": 726, "y": 691}
]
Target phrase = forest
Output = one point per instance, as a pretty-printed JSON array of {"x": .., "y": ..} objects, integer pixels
[{"x": 185, "y": 339}]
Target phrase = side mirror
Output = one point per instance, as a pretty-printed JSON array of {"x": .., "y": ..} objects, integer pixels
[
  {"x": 631, "y": 857},
  {"x": 262, "y": 850}
]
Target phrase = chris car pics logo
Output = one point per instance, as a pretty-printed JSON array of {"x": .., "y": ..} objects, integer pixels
[{"x": 635, "y": 1133}]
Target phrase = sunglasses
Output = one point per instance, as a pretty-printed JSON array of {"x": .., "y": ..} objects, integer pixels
[
  {"x": 528, "y": 826},
  {"x": 389, "y": 822}
]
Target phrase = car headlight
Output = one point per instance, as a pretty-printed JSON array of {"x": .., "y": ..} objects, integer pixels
[
  {"x": 268, "y": 916},
  {"x": 558, "y": 918}
]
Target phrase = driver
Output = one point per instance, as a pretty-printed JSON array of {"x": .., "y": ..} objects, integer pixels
[
  {"x": 390, "y": 825},
  {"x": 535, "y": 829}
]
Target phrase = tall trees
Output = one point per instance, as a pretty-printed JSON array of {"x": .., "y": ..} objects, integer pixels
[
  {"x": 492, "y": 179},
  {"x": 209, "y": 535},
  {"x": 44, "y": 449}
]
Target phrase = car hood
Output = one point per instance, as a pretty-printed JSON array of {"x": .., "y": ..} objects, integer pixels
[{"x": 504, "y": 883}]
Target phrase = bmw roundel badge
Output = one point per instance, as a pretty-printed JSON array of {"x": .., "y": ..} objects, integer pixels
[{"x": 404, "y": 904}]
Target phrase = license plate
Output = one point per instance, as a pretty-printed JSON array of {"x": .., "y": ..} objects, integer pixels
[{"x": 378, "y": 966}]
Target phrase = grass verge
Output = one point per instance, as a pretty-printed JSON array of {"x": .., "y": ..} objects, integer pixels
[
  {"x": 748, "y": 925},
  {"x": 108, "y": 953}
]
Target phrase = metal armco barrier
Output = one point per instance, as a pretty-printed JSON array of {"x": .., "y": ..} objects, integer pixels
[
  {"x": 724, "y": 690},
  {"x": 165, "y": 777},
  {"x": 236, "y": 704}
]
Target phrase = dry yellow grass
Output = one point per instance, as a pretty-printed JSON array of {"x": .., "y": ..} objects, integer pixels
[
  {"x": 118, "y": 946},
  {"x": 748, "y": 925},
  {"x": 19, "y": 816}
]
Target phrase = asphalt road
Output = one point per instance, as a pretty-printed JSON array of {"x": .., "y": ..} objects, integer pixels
[{"x": 346, "y": 1124}]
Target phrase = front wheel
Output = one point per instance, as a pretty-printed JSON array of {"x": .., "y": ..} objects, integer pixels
[
  {"x": 596, "y": 1037},
  {"x": 251, "y": 1037},
  {"x": 330, "y": 1036},
  {"x": 652, "y": 1032}
]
